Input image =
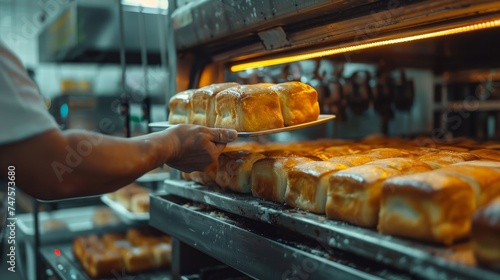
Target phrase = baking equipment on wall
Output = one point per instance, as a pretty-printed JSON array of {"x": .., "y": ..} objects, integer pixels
[{"x": 218, "y": 41}]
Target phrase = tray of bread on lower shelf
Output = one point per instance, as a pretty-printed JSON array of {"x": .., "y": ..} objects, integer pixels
[
  {"x": 131, "y": 203},
  {"x": 432, "y": 210},
  {"x": 252, "y": 110},
  {"x": 136, "y": 250}
]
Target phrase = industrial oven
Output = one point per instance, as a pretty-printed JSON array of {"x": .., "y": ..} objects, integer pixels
[{"x": 421, "y": 70}]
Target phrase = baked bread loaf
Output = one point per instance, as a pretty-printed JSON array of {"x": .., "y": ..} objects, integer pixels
[
  {"x": 104, "y": 216},
  {"x": 354, "y": 194},
  {"x": 428, "y": 206},
  {"x": 114, "y": 252},
  {"x": 487, "y": 154},
  {"x": 485, "y": 181},
  {"x": 82, "y": 243},
  {"x": 353, "y": 160},
  {"x": 139, "y": 203},
  {"x": 270, "y": 174},
  {"x": 248, "y": 108},
  {"x": 403, "y": 165},
  {"x": 138, "y": 259},
  {"x": 445, "y": 158},
  {"x": 162, "y": 254},
  {"x": 485, "y": 237},
  {"x": 298, "y": 102},
  {"x": 179, "y": 107},
  {"x": 102, "y": 262},
  {"x": 308, "y": 184},
  {"x": 125, "y": 194},
  {"x": 203, "y": 103},
  {"x": 234, "y": 170}
]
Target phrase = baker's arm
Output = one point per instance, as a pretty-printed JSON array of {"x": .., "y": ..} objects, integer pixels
[{"x": 57, "y": 164}]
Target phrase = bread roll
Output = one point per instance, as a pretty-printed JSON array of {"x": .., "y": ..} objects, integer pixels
[
  {"x": 485, "y": 181},
  {"x": 403, "y": 165},
  {"x": 206, "y": 177},
  {"x": 234, "y": 170},
  {"x": 104, "y": 216},
  {"x": 298, "y": 102},
  {"x": 143, "y": 237},
  {"x": 307, "y": 184},
  {"x": 203, "y": 103},
  {"x": 270, "y": 174},
  {"x": 248, "y": 108},
  {"x": 138, "y": 259},
  {"x": 381, "y": 153},
  {"x": 125, "y": 194},
  {"x": 445, "y": 158},
  {"x": 428, "y": 206},
  {"x": 353, "y": 160},
  {"x": 179, "y": 107},
  {"x": 485, "y": 235},
  {"x": 354, "y": 194},
  {"x": 162, "y": 254},
  {"x": 103, "y": 263},
  {"x": 82, "y": 243},
  {"x": 139, "y": 203},
  {"x": 487, "y": 154}
]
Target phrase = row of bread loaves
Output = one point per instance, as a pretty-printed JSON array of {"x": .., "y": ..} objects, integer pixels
[{"x": 246, "y": 107}]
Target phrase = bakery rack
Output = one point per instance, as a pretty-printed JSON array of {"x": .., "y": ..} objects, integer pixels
[{"x": 264, "y": 239}]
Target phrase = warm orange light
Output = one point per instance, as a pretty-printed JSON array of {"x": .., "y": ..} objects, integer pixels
[{"x": 293, "y": 58}]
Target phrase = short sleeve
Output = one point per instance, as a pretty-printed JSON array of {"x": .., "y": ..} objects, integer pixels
[{"x": 22, "y": 110}]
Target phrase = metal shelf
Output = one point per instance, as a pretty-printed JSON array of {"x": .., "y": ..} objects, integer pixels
[
  {"x": 259, "y": 250},
  {"x": 415, "y": 258}
]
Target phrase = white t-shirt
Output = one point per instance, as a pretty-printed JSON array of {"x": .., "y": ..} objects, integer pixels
[{"x": 22, "y": 110}]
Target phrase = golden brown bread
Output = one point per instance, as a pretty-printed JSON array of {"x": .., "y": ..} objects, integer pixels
[
  {"x": 162, "y": 254},
  {"x": 298, "y": 102},
  {"x": 139, "y": 203},
  {"x": 138, "y": 259},
  {"x": 125, "y": 194},
  {"x": 353, "y": 160},
  {"x": 248, "y": 108},
  {"x": 203, "y": 103},
  {"x": 354, "y": 194},
  {"x": 82, "y": 243},
  {"x": 487, "y": 154},
  {"x": 485, "y": 235},
  {"x": 103, "y": 263},
  {"x": 234, "y": 170},
  {"x": 114, "y": 253},
  {"x": 179, "y": 107},
  {"x": 270, "y": 174},
  {"x": 140, "y": 237},
  {"x": 445, "y": 158},
  {"x": 308, "y": 183},
  {"x": 428, "y": 206},
  {"x": 485, "y": 181},
  {"x": 403, "y": 165}
]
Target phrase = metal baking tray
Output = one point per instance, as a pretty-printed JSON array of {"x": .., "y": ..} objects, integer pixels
[
  {"x": 123, "y": 212},
  {"x": 60, "y": 259},
  {"x": 323, "y": 118},
  {"x": 259, "y": 250},
  {"x": 420, "y": 259}
]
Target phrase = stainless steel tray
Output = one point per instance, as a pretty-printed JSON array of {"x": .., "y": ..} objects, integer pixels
[
  {"x": 321, "y": 119},
  {"x": 123, "y": 212},
  {"x": 420, "y": 259},
  {"x": 257, "y": 249}
]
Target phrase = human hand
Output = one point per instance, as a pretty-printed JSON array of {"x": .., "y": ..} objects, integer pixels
[{"x": 194, "y": 148}]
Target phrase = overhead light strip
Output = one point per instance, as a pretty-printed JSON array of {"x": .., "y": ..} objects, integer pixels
[{"x": 347, "y": 49}]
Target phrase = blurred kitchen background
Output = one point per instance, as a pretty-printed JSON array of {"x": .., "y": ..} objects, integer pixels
[{"x": 73, "y": 54}]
